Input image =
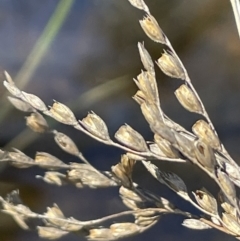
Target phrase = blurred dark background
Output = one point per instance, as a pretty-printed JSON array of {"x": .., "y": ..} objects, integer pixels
[{"x": 89, "y": 66}]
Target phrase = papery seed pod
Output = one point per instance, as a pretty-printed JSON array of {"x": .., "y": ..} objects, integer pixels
[
  {"x": 146, "y": 221},
  {"x": 120, "y": 172},
  {"x": 96, "y": 126},
  {"x": 170, "y": 65},
  {"x": 34, "y": 101},
  {"x": 152, "y": 29},
  {"x": 55, "y": 178},
  {"x": 20, "y": 104},
  {"x": 146, "y": 82},
  {"x": 140, "y": 4},
  {"x": 62, "y": 113},
  {"x": 37, "y": 122},
  {"x": 139, "y": 97},
  {"x": 206, "y": 201},
  {"x": 164, "y": 131},
  {"x": 188, "y": 99},
  {"x": 65, "y": 143},
  {"x": 129, "y": 194},
  {"x": 230, "y": 222},
  {"x": 146, "y": 58},
  {"x": 100, "y": 234},
  {"x": 84, "y": 175},
  {"x": 165, "y": 146},
  {"x": 72, "y": 227},
  {"x": 19, "y": 159},
  {"x": 131, "y": 138},
  {"x": 124, "y": 229},
  {"x": 204, "y": 155},
  {"x": 226, "y": 185},
  {"x": 46, "y": 160},
  {"x": 13, "y": 89},
  {"x": 195, "y": 224},
  {"x": 54, "y": 216},
  {"x": 50, "y": 232},
  {"x": 185, "y": 146},
  {"x": 151, "y": 113},
  {"x": 127, "y": 164},
  {"x": 202, "y": 129},
  {"x": 228, "y": 208}
]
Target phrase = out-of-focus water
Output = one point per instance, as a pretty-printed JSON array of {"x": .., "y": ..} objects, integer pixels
[{"x": 96, "y": 44}]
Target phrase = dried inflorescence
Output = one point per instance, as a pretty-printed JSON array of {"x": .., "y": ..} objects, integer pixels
[{"x": 172, "y": 142}]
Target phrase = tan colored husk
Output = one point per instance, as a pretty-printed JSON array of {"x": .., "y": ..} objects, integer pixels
[
  {"x": 206, "y": 201},
  {"x": 202, "y": 129},
  {"x": 205, "y": 155},
  {"x": 188, "y": 99},
  {"x": 131, "y": 138},
  {"x": 63, "y": 114},
  {"x": 96, "y": 126},
  {"x": 150, "y": 26},
  {"x": 37, "y": 122},
  {"x": 171, "y": 66}
]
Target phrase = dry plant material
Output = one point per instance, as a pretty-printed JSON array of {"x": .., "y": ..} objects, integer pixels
[{"x": 172, "y": 142}]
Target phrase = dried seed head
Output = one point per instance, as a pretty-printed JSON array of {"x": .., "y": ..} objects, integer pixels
[
  {"x": 55, "y": 178},
  {"x": 146, "y": 82},
  {"x": 96, "y": 126},
  {"x": 140, "y": 4},
  {"x": 84, "y": 175},
  {"x": 127, "y": 193},
  {"x": 65, "y": 143},
  {"x": 166, "y": 147},
  {"x": 231, "y": 223},
  {"x": 146, "y": 58},
  {"x": 124, "y": 229},
  {"x": 46, "y": 160},
  {"x": 170, "y": 65},
  {"x": 34, "y": 101},
  {"x": 188, "y": 99},
  {"x": 19, "y": 159},
  {"x": 100, "y": 234},
  {"x": 163, "y": 131},
  {"x": 185, "y": 146},
  {"x": 150, "y": 26},
  {"x": 50, "y": 232},
  {"x": 55, "y": 217},
  {"x": 131, "y": 138},
  {"x": 122, "y": 175},
  {"x": 139, "y": 97},
  {"x": 204, "y": 155},
  {"x": 151, "y": 113},
  {"x": 206, "y": 201},
  {"x": 37, "y": 122},
  {"x": 226, "y": 185},
  {"x": 202, "y": 129},
  {"x": 63, "y": 114},
  {"x": 195, "y": 224},
  {"x": 228, "y": 208},
  {"x": 145, "y": 221},
  {"x": 54, "y": 214},
  {"x": 20, "y": 104}
]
